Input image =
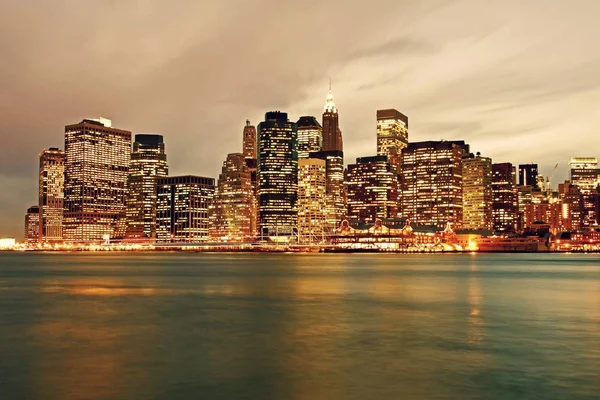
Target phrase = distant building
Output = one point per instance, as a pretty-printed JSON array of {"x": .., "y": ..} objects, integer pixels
[
  {"x": 477, "y": 193},
  {"x": 51, "y": 195},
  {"x": 233, "y": 211},
  {"x": 336, "y": 198},
  {"x": 148, "y": 164},
  {"x": 96, "y": 170},
  {"x": 585, "y": 173},
  {"x": 32, "y": 225},
  {"x": 432, "y": 182},
  {"x": 249, "y": 141},
  {"x": 372, "y": 186},
  {"x": 505, "y": 206},
  {"x": 183, "y": 207},
  {"x": 277, "y": 175},
  {"x": 309, "y": 136},
  {"x": 392, "y": 135},
  {"x": 312, "y": 199},
  {"x": 332, "y": 135},
  {"x": 528, "y": 176}
]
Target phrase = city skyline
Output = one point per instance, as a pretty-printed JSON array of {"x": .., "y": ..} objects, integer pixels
[{"x": 488, "y": 86}]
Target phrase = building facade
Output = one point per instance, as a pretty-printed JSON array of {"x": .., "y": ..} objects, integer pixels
[
  {"x": 249, "y": 141},
  {"x": 528, "y": 176},
  {"x": 332, "y": 135},
  {"x": 96, "y": 171},
  {"x": 183, "y": 208},
  {"x": 585, "y": 173},
  {"x": 392, "y": 135},
  {"x": 505, "y": 204},
  {"x": 277, "y": 175},
  {"x": 51, "y": 195},
  {"x": 32, "y": 225},
  {"x": 432, "y": 191},
  {"x": 477, "y": 193},
  {"x": 233, "y": 211},
  {"x": 372, "y": 187},
  {"x": 309, "y": 136},
  {"x": 336, "y": 196},
  {"x": 312, "y": 199},
  {"x": 148, "y": 164}
]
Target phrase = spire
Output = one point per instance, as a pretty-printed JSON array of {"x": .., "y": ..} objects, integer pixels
[{"x": 329, "y": 103}]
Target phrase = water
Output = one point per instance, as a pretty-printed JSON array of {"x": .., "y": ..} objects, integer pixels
[{"x": 307, "y": 326}]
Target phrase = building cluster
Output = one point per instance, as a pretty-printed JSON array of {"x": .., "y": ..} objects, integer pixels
[{"x": 290, "y": 183}]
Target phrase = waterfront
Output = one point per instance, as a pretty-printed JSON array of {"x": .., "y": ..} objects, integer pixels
[{"x": 302, "y": 326}]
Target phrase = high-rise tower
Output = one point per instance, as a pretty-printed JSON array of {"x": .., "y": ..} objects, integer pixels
[
  {"x": 249, "y": 141},
  {"x": 332, "y": 135},
  {"x": 51, "y": 195},
  {"x": 309, "y": 136},
  {"x": 392, "y": 135},
  {"x": 148, "y": 163},
  {"x": 477, "y": 192}
]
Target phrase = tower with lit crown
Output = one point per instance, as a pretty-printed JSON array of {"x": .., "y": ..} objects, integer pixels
[{"x": 332, "y": 135}]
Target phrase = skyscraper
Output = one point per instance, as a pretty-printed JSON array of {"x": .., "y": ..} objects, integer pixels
[
  {"x": 32, "y": 225},
  {"x": 585, "y": 173},
  {"x": 392, "y": 135},
  {"x": 336, "y": 199},
  {"x": 312, "y": 199},
  {"x": 477, "y": 192},
  {"x": 96, "y": 169},
  {"x": 182, "y": 208},
  {"x": 332, "y": 135},
  {"x": 309, "y": 136},
  {"x": 528, "y": 175},
  {"x": 277, "y": 175},
  {"x": 233, "y": 211},
  {"x": 249, "y": 141},
  {"x": 51, "y": 195},
  {"x": 372, "y": 185},
  {"x": 432, "y": 182},
  {"x": 504, "y": 191},
  {"x": 148, "y": 164}
]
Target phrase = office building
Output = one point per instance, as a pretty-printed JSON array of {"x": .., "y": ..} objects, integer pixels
[
  {"x": 372, "y": 187},
  {"x": 432, "y": 182},
  {"x": 335, "y": 190},
  {"x": 51, "y": 195},
  {"x": 392, "y": 135},
  {"x": 309, "y": 136},
  {"x": 332, "y": 135},
  {"x": 277, "y": 175},
  {"x": 183, "y": 208},
  {"x": 32, "y": 225},
  {"x": 233, "y": 211},
  {"x": 312, "y": 200},
  {"x": 477, "y": 192},
  {"x": 504, "y": 191},
  {"x": 528, "y": 176},
  {"x": 585, "y": 173},
  {"x": 249, "y": 141},
  {"x": 96, "y": 170},
  {"x": 148, "y": 164}
]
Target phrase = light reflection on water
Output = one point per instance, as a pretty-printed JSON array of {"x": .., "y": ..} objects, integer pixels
[{"x": 174, "y": 326}]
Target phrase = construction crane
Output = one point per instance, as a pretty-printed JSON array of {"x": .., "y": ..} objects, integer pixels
[{"x": 548, "y": 179}]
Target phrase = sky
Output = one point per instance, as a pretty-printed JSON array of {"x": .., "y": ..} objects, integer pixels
[{"x": 518, "y": 80}]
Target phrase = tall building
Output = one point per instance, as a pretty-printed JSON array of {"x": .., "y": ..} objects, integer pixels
[
  {"x": 232, "y": 213},
  {"x": 183, "y": 207},
  {"x": 505, "y": 205},
  {"x": 332, "y": 135},
  {"x": 585, "y": 173},
  {"x": 148, "y": 164},
  {"x": 312, "y": 200},
  {"x": 477, "y": 193},
  {"x": 432, "y": 182},
  {"x": 392, "y": 135},
  {"x": 51, "y": 195},
  {"x": 96, "y": 170},
  {"x": 309, "y": 136},
  {"x": 32, "y": 225},
  {"x": 372, "y": 185},
  {"x": 249, "y": 141},
  {"x": 277, "y": 175},
  {"x": 528, "y": 176},
  {"x": 336, "y": 198}
]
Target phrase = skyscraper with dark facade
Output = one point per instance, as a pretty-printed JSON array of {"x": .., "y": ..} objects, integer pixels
[
  {"x": 528, "y": 175},
  {"x": 309, "y": 136},
  {"x": 392, "y": 135},
  {"x": 51, "y": 195},
  {"x": 332, "y": 135},
  {"x": 96, "y": 170},
  {"x": 372, "y": 186},
  {"x": 32, "y": 225},
  {"x": 183, "y": 208},
  {"x": 277, "y": 175},
  {"x": 148, "y": 164},
  {"x": 432, "y": 190},
  {"x": 249, "y": 141},
  {"x": 505, "y": 203}
]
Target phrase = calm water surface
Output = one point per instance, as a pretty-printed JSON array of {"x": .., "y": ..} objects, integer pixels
[{"x": 266, "y": 326}]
